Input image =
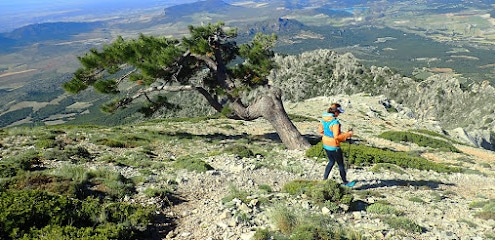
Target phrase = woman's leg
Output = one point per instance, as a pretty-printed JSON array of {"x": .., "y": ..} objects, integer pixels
[
  {"x": 331, "y": 162},
  {"x": 339, "y": 157}
]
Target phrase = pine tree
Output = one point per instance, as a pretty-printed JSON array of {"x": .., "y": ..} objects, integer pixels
[{"x": 160, "y": 65}]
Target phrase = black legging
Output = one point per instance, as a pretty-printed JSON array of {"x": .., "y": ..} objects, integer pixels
[{"x": 335, "y": 156}]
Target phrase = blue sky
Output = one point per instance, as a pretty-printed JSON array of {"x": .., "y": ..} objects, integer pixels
[{"x": 17, "y": 13}]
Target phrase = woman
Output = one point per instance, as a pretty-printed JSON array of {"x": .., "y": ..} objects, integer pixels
[{"x": 329, "y": 127}]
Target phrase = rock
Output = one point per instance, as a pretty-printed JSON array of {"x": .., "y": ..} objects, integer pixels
[{"x": 325, "y": 210}]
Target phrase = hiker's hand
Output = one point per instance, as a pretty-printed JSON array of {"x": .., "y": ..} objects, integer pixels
[{"x": 351, "y": 132}]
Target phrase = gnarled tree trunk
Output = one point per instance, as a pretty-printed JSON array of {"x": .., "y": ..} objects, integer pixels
[{"x": 269, "y": 106}]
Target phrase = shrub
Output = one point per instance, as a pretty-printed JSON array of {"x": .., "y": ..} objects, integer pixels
[
  {"x": 403, "y": 223},
  {"x": 100, "y": 182},
  {"x": 101, "y": 232},
  {"x": 416, "y": 199},
  {"x": 298, "y": 186},
  {"x": 420, "y": 140},
  {"x": 301, "y": 118},
  {"x": 240, "y": 151},
  {"x": 316, "y": 151},
  {"x": 131, "y": 158},
  {"x": 310, "y": 232},
  {"x": 46, "y": 143},
  {"x": 330, "y": 190},
  {"x": 362, "y": 155},
  {"x": 112, "y": 143},
  {"x": 38, "y": 215},
  {"x": 25, "y": 161},
  {"x": 381, "y": 208},
  {"x": 322, "y": 192},
  {"x": 157, "y": 192},
  {"x": 265, "y": 188},
  {"x": 235, "y": 193},
  {"x": 45, "y": 182},
  {"x": 192, "y": 164},
  {"x": 265, "y": 234},
  {"x": 284, "y": 218},
  {"x": 487, "y": 212},
  {"x": 111, "y": 184}
]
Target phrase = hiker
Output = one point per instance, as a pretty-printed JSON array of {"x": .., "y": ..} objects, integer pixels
[{"x": 329, "y": 127}]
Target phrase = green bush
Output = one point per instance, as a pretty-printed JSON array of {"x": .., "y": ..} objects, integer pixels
[
  {"x": 301, "y": 118},
  {"x": 25, "y": 161},
  {"x": 330, "y": 190},
  {"x": 240, "y": 151},
  {"x": 311, "y": 232},
  {"x": 298, "y": 186},
  {"x": 38, "y": 215},
  {"x": 112, "y": 143},
  {"x": 48, "y": 142},
  {"x": 100, "y": 232},
  {"x": 322, "y": 192},
  {"x": 43, "y": 181},
  {"x": 110, "y": 184},
  {"x": 488, "y": 211},
  {"x": 192, "y": 164},
  {"x": 403, "y": 223},
  {"x": 362, "y": 155},
  {"x": 265, "y": 234},
  {"x": 265, "y": 188},
  {"x": 381, "y": 208},
  {"x": 235, "y": 193},
  {"x": 420, "y": 140},
  {"x": 316, "y": 151},
  {"x": 284, "y": 218}
]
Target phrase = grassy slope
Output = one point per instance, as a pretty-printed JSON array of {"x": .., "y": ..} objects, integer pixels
[{"x": 147, "y": 154}]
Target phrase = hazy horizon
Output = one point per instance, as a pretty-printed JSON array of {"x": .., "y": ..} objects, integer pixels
[{"x": 15, "y": 14}]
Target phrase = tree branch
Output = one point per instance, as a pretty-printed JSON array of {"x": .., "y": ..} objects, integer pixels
[
  {"x": 126, "y": 75},
  {"x": 209, "y": 62},
  {"x": 144, "y": 92}
]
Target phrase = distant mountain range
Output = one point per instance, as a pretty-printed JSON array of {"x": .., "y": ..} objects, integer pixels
[{"x": 15, "y": 14}]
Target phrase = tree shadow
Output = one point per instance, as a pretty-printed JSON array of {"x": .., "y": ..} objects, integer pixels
[
  {"x": 267, "y": 137},
  {"x": 163, "y": 223},
  {"x": 401, "y": 183}
]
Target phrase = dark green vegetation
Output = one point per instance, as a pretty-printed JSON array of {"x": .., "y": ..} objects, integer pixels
[
  {"x": 362, "y": 155},
  {"x": 420, "y": 139},
  {"x": 34, "y": 214},
  {"x": 70, "y": 201}
]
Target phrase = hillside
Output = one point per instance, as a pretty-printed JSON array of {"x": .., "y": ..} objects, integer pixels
[{"x": 243, "y": 191}]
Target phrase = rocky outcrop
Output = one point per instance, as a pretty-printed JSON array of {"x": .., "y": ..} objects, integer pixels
[{"x": 464, "y": 113}]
